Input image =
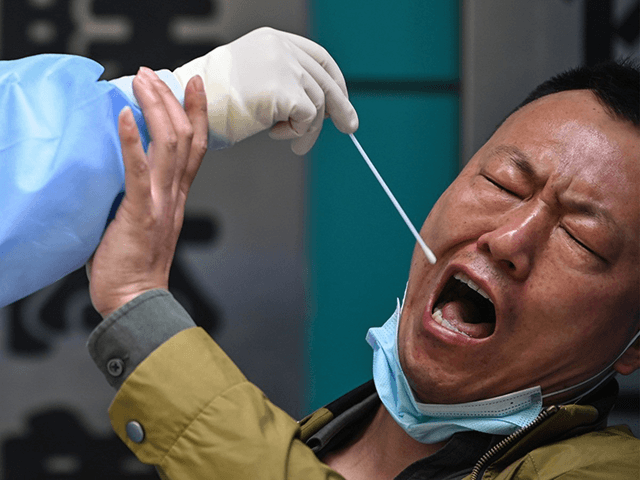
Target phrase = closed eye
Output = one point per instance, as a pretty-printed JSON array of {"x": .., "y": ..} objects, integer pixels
[
  {"x": 583, "y": 246},
  {"x": 500, "y": 186}
]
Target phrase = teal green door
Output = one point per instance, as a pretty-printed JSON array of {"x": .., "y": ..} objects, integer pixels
[{"x": 400, "y": 60}]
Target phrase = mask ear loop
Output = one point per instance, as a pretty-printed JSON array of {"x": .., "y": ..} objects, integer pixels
[
  {"x": 609, "y": 375},
  {"x": 404, "y": 296}
]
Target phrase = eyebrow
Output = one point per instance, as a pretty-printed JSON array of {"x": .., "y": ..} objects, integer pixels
[
  {"x": 523, "y": 163},
  {"x": 519, "y": 159},
  {"x": 588, "y": 208}
]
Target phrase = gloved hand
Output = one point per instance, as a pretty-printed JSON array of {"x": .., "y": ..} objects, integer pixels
[{"x": 271, "y": 79}]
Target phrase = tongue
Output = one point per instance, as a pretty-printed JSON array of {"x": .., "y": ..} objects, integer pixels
[{"x": 462, "y": 314}]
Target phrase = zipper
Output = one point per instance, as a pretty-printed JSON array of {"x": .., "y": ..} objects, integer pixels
[{"x": 483, "y": 463}]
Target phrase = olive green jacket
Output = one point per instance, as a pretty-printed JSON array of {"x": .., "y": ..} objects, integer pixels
[{"x": 202, "y": 419}]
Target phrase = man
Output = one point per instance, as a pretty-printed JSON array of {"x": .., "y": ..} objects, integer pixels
[{"x": 493, "y": 366}]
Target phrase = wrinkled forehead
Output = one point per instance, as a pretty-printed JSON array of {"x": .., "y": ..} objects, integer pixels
[{"x": 569, "y": 136}]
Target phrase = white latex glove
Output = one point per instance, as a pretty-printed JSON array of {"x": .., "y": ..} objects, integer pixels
[{"x": 271, "y": 79}]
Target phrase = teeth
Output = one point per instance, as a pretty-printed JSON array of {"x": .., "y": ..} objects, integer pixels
[
  {"x": 437, "y": 316},
  {"x": 467, "y": 281}
]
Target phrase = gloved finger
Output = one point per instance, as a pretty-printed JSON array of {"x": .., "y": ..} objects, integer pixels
[
  {"x": 338, "y": 107},
  {"x": 302, "y": 145},
  {"x": 322, "y": 57},
  {"x": 195, "y": 105},
  {"x": 283, "y": 131},
  {"x": 136, "y": 169},
  {"x": 308, "y": 105}
]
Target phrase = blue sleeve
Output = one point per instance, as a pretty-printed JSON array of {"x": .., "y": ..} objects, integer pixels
[
  {"x": 125, "y": 84},
  {"x": 60, "y": 167}
]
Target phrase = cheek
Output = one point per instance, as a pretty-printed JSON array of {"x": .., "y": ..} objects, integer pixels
[
  {"x": 458, "y": 216},
  {"x": 403, "y": 343},
  {"x": 412, "y": 363},
  {"x": 594, "y": 314}
]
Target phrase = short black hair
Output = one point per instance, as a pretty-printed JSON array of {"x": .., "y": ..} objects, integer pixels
[{"x": 616, "y": 84}]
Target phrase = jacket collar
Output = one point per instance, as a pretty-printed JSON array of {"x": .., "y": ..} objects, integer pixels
[{"x": 357, "y": 406}]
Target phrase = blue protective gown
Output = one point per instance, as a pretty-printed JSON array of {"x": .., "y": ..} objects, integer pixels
[{"x": 60, "y": 167}]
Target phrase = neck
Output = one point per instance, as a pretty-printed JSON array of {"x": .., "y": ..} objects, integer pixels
[{"x": 382, "y": 451}]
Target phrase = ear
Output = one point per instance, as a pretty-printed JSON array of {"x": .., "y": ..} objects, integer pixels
[{"x": 629, "y": 362}]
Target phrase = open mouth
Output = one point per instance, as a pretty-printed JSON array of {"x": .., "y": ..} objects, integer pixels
[{"x": 465, "y": 308}]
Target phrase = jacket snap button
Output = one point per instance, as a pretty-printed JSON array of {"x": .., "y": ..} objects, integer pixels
[
  {"x": 135, "y": 432},
  {"x": 115, "y": 367}
]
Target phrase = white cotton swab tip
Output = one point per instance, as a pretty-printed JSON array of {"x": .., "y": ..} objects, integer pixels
[{"x": 427, "y": 251}]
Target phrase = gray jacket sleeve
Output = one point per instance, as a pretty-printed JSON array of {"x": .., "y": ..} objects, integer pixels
[{"x": 127, "y": 336}]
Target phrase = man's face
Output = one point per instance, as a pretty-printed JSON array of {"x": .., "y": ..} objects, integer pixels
[{"x": 545, "y": 219}]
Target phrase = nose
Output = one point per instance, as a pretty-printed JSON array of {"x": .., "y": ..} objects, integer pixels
[{"x": 515, "y": 240}]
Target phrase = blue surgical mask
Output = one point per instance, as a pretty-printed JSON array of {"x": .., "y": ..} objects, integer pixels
[{"x": 432, "y": 423}]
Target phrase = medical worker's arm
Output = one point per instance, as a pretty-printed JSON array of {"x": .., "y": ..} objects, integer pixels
[
  {"x": 60, "y": 167},
  {"x": 60, "y": 164},
  {"x": 197, "y": 416}
]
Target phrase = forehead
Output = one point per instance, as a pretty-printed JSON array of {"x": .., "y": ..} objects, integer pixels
[
  {"x": 574, "y": 125},
  {"x": 569, "y": 136}
]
